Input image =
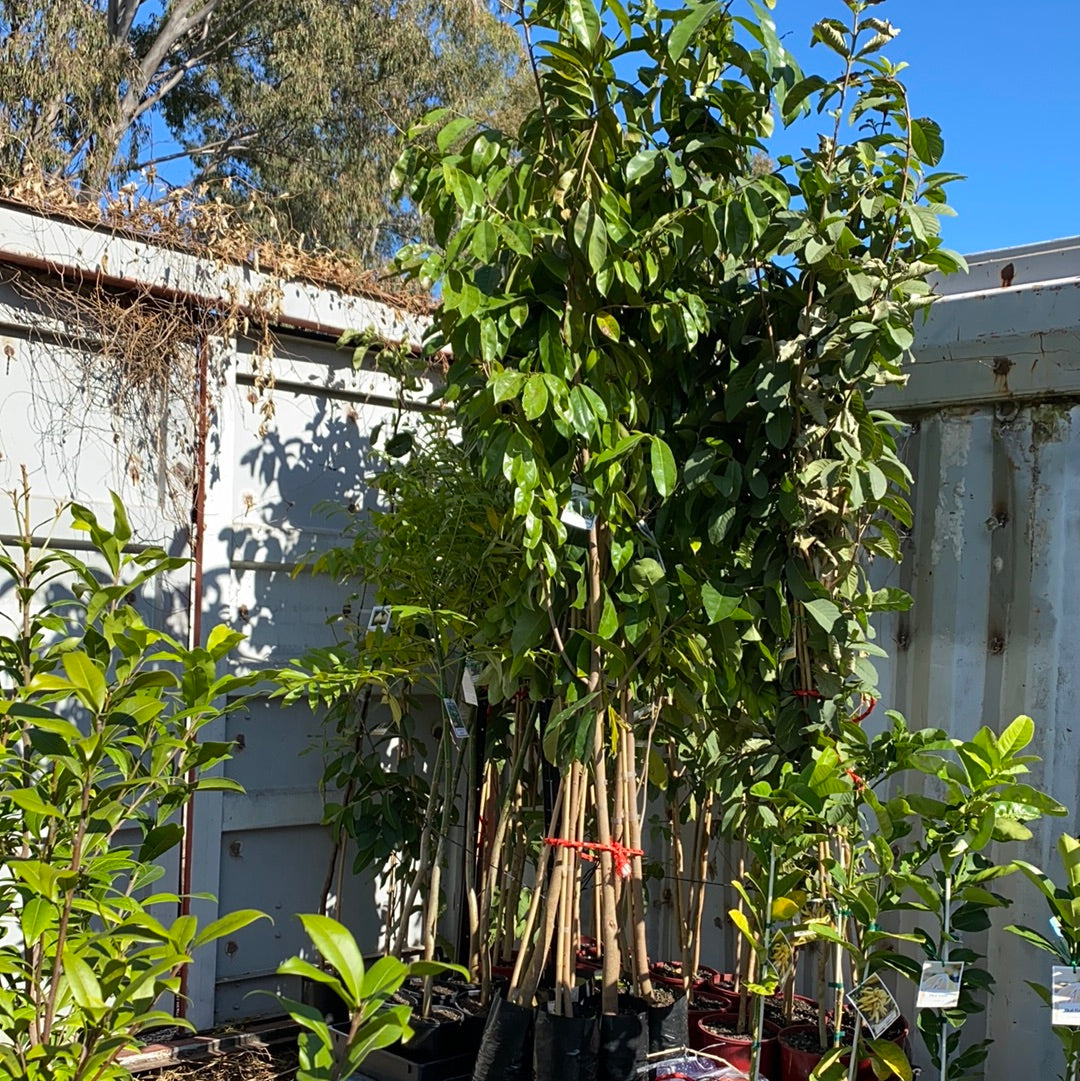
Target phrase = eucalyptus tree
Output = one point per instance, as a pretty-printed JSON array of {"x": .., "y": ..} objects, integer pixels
[
  {"x": 665, "y": 343},
  {"x": 305, "y": 102}
]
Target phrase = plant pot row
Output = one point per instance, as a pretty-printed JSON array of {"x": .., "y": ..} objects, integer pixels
[{"x": 521, "y": 1043}]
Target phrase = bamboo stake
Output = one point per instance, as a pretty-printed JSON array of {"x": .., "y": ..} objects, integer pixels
[
  {"x": 523, "y": 987},
  {"x": 563, "y": 1001},
  {"x": 640, "y": 954}
]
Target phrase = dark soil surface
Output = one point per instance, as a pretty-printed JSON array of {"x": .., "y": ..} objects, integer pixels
[
  {"x": 672, "y": 970},
  {"x": 444, "y": 1014},
  {"x": 471, "y": 1005},
  {"x": 806, "y": 1040},
  {"x": 715, "y": 1028},
  {"x": 802, "y": 1013},
  {"x": 662, "y": 996}
]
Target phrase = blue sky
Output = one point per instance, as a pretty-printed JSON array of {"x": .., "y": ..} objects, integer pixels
[{"x": 1003, "y": 81}]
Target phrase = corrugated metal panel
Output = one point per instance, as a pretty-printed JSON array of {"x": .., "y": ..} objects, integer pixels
[
  {"x": 265, "y": 509},
  {"x": 993, "y": 564}
]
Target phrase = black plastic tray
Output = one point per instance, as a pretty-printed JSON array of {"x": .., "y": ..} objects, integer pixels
[{"x": 384, "y": 1065}]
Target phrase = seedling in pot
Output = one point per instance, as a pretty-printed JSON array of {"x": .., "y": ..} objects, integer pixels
[
  {"x": 373, "y": 1023},
  {"x": 1064, "y": 943},
  {"x": 948, "y": 872}
]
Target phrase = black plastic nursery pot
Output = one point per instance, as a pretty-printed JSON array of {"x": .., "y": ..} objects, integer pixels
[
  {"x": 668, "y": 1022},
  {"x": 566, "y": 1048},
  {"x": 624, "y": 1040},
  {"x": 506, "y": 1047},
  {"x": 438, "y": 1036}
]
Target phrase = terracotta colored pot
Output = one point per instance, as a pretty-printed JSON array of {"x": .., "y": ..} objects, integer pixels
[
  {"x": 737, "y": 1049},
  {"x": 708, "y": 1000},
  {"x": 588, "y": 959},
  {"x": 705, "y": 975},
  {"x": 866, "y": 1071},
  {"x": 503, "y": 969},
  {"x": 723, "y": 981},
  {"x": 796, "y": 1065}
]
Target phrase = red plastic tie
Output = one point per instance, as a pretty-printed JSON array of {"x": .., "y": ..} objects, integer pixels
[
  {"x": 859, "y": 783},
  {"x": 808, "y": 694},
  {"x": 866, "y": 712},
  {"x": 619, "y": 852}
]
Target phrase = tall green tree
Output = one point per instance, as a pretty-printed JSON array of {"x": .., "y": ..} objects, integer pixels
[
  {"x": 657, "y": 325},
  {"x": 305, "y": 102}
]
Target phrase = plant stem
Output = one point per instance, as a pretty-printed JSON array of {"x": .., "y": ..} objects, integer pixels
[{"x": 759, "y": 1022}]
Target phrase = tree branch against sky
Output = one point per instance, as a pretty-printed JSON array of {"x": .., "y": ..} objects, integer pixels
[{"x": 305, "y": 101}]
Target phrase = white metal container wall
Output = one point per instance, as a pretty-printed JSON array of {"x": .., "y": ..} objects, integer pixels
[
  {"x": 270, "y": 503},
  {"x": 993, "y": 564},
  {"x": 265, "y": 849}
]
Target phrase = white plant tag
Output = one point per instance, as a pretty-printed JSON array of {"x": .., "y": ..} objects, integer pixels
[
  {"x": 939, "y": 987},
  {"x": 1065, "y": 996},
  {"x": 380, "y": 618},
  {"x": 468, "y": 687},
  {"x": 453, "y": 715},
  {"x": 578, "y": 514},
  {"x": 874, "y": 1003}
]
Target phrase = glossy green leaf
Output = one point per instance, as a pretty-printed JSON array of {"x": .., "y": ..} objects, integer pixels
[
  {"x": 662, "y": 465},
  {"x": 690, "y": 20},
  {"x": 585, "y": 21}
]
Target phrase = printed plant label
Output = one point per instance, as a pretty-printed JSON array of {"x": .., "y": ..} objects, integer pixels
[
  {"x": 874, "y": 1003},
  {"x": 939, "y": 987},
  {"x": 468, "y": 687},
  {"x": 578, "y": 513},
  {"x": 1065, "y": 995},
  {"x": 380, "y": 618},
  {"x": 781, "y": 956}
]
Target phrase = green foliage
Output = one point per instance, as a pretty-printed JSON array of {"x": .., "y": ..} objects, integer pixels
[
  {"x": 373, "y": 1023},
  {"x": 643, "y": 307},
  {"x": 99, "y": 752},
  {"x": 1064, "y": 904},
  {"x": 945, "y": 874}
]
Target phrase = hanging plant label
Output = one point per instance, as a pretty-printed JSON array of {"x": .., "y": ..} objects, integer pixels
[
  {"x": 380, "y": 618},
  {"x": 578, "y": 513},
  {"x": 874, "y": 1003},
  {"x": 939, "y": 986},
  {"x": 468, "y": 687},
  {"x": 453, "y": 715},
  {"x": 781, "y": 956},
  {"x": 1065, "y": 995}
]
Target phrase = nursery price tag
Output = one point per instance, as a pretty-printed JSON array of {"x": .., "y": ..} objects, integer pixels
[
  {"x": 578, "y": 513},
  {"x": 453, "y": 715},
  {"x": 468, "y": 687},
  {"x": 380, "y": 618},
  {"x": 1065, "y": 995},
  {"x": 939, "y": 987},
  {"x": 874, "y": 1003}
]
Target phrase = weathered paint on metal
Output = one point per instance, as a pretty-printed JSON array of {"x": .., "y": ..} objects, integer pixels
[
  {"x": 266, "y": 503},
  {"x": 993, "y": 564}
]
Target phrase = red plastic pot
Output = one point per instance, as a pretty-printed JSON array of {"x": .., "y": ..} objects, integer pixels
[
  {"x": 704, "y": 977},
  {"x": 737, "y": 1050},
  {"x": 797, "y": 1065},
  {"x": 708, "y": 1000}
]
